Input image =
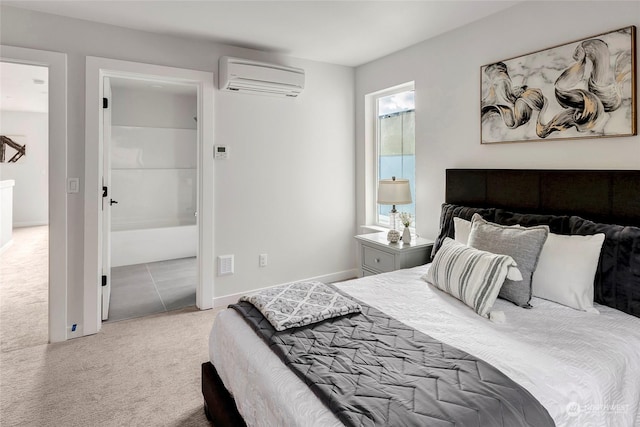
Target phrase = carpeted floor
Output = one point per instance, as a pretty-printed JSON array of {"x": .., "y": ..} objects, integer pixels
[
  {"x": 24, "y": 281},
  {"x": 135, "y": 372}
]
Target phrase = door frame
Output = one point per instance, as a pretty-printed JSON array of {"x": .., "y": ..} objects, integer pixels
[
  {"x": 57, "y": 64},
  {"x": 106, "y": 115},
  {"x": 96, "y": 69}
]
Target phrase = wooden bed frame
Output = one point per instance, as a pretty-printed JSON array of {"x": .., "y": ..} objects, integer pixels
[
  {"x": 609, "y": 196},
  {"x": 219, "y": 406}
]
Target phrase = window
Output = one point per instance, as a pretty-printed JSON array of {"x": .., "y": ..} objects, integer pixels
[{"x": 395, "y": 144}]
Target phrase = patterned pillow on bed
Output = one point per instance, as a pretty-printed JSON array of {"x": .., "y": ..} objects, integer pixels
[
  {"x": 471, "y": 275},
  {"x": 300, "y": 304}
]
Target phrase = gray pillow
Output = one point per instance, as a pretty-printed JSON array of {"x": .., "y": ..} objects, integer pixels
[{"x": 523, "y": 244}]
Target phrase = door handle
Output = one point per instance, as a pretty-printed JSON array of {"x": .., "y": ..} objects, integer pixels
[{"x": 112, "y": 202}]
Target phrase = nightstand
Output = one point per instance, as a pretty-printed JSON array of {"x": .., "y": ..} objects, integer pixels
[{"x": 376, "y": 255}]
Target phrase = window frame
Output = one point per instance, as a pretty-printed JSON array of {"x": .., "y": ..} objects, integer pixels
[{"x": 375, "y": 141}]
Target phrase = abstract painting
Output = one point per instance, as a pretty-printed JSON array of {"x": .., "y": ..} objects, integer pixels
[{"x": 583, "y": 89}]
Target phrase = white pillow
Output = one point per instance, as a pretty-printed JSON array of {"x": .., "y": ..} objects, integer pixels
[
  {"x": 566, "y": 270},
  {"x": 461, "y": 230},
  {"x": 471, "y": 275}
]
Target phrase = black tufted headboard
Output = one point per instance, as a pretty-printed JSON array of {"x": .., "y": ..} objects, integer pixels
[
  {"x": 607, "y": 196},
  {"x": 571, "y": 202}
]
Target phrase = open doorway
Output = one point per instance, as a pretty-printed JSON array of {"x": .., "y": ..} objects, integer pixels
[
  {"x": 24, "y": 183},
  {"x": 56, "y": 64},
  {"x": 150, "y": 237},
  {"x": 98, "y": 202}
]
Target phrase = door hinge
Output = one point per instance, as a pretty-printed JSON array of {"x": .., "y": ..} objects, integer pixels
[
  {"x": 105, "y": 103},
  {"x": 104, "y": 280},
  {"x": 104, "y": 191}
]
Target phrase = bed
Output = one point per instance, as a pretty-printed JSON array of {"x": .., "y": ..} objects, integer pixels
[{"x": 581, "y": 366}]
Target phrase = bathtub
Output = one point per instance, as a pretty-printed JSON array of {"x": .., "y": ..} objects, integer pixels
[{"x": 140, "y": 246}]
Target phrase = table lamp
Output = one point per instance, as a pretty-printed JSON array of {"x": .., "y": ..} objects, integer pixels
[{"x": 394, "y": 192}]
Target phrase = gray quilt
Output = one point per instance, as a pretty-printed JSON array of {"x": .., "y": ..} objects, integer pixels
[{"x": 370, "y": 369}]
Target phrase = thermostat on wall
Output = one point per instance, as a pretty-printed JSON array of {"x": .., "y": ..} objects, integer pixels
[{"x": 221, "y": 152}]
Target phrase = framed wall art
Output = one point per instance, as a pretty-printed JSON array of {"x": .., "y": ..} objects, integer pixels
[
  {"x": 20, "y": 149},
  {"x": 582, "y": 89}
]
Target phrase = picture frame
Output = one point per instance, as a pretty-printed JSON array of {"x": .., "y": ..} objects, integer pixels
[{"x": 581, "y": 89}]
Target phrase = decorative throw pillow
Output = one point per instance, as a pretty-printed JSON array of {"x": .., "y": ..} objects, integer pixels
[
  {"x": 617, "y": 282},
  {"x": 462, "y": 228},
  {"x": 300, "y": 304},
  {"x": 558, "y": 224},
  {"x": 470, "y": 275},
  {"x": 523, "y": 244},
  {"x": 449, "y": 212},
  {"x": 566, "y": 270}
]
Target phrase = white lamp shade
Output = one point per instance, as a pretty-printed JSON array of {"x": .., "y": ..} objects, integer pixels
[{"x": 392, "y": 192}]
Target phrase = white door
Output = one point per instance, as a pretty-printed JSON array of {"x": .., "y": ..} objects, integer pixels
[{"x": 107, "y": 201}]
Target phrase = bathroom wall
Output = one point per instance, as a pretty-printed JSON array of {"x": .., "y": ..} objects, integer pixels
[
  {"x": 153, "y": 155},
  {"x": 145, "y": 104},
  {"x": 153, "y": 172}
]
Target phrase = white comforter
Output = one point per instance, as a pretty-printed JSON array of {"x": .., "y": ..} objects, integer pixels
[{"x": 584, "y": 368}]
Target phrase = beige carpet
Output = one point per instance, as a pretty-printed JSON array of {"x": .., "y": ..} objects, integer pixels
[
  {"x": 135, "y": 372},
  {"x": 24, "y": 271}
]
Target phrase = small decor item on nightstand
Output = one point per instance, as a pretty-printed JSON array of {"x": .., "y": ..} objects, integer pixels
[
  {"x": 393, "y": 236},
  {"x": 406, "y": 236},
  {"x": 405, "y": 217}
]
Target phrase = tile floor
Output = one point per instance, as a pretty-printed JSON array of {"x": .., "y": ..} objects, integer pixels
[{"x": 143, "y": 289}]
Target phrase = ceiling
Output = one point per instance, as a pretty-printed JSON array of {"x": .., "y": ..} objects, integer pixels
[{"x": 349, "y": 33}]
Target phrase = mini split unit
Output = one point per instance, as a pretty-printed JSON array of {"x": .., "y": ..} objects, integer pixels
[{"x": 243, "y": 75}]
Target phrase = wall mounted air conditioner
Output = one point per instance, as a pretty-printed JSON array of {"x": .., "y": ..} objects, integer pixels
[{"x": 243, "y": 75}]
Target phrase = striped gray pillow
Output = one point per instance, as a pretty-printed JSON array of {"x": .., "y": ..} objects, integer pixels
[{"x": 471, "y": 275}]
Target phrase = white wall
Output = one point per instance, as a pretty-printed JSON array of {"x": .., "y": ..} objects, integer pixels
[
  {"x": 446, "y": 71},
  {"x": 31, "y": 171},
  {"x": 288, "y": 188},
  {"x": 153, "y": 157},
  {"x": 293, "y": 187},
  {"x": 6, "y": 213},
  {"x": 153, "y": 108}
]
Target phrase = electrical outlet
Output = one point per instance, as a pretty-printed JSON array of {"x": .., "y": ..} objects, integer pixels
[
  {"x": 73, "y": 185},
  {"x": 263, "y": 260}
]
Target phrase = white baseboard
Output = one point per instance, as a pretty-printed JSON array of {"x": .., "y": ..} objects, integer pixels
[
  {"x": 29, "y": 224},
  {"x": 225, "y": 300}
]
